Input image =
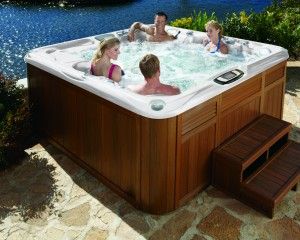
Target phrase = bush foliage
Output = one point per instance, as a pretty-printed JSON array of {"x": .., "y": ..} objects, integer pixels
[
  {"x": 196, "y": 21},
  {"x": 278, "y": 24},
  {"x": 15, "y": 122}
]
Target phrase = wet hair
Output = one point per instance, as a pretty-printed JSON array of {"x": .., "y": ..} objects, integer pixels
[
  {"x": 162, "y": 14},
  {"x": 104, "y": 44},
  {"x": 149, "y": 65},
  {"x": 216, "y": 25}
]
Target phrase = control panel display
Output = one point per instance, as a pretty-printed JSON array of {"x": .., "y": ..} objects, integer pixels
[{"x": 229, "y": 77}]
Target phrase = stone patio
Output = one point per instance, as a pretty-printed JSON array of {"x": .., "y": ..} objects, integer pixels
[{"x": 50, "y": 197}]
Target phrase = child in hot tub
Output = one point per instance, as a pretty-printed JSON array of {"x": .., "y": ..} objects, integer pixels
[
  {"x": 109, "y": 48},
  {"x": 149, "y": 66},
  {"x": 214, "y": 32}
]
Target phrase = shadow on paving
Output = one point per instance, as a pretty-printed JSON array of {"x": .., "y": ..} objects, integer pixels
[
  {"x": 178, "y": 220},
  {"x": 28, "y": 189},
  {"x": 293, "y": 81}
]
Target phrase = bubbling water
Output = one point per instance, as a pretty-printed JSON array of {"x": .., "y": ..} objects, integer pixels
[{"x": 184, "y": 65}]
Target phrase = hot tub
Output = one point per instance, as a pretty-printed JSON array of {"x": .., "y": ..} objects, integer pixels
[{"x": 152, "y": 150}]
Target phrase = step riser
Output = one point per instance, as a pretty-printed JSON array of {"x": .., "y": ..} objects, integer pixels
[{"x": 263, "y": 172}]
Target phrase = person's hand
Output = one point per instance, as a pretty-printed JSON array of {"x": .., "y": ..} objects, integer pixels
[
  {"x": 130, "y": 36},
  {"x": 205, "y": 41}
]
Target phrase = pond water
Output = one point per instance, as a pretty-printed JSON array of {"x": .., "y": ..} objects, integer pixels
[{"x": 24, "y": 28}]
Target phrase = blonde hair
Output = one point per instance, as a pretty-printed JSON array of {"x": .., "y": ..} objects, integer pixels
[
  {"x": 216, "y": 25},
  {"x": 104, "y": 44},
  {"x": 149, "y": 65}
]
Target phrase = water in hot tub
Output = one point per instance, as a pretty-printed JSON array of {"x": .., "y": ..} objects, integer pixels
[{"x": 185, "y": 65}]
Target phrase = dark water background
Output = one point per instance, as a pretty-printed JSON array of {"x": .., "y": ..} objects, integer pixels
[{"x": 26, "y": 27}]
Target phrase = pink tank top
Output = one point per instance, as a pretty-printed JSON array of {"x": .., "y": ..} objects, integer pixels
[{"x": 110, "y": 71}]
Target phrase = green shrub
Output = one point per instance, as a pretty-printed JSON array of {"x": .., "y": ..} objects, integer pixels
[
  {"x": 279, "y": 24},
  {"x": 15, "y": 122},
  {"x": 238, "y": 25},
  {"x": 196, "y": 21},
  {"x": 185, "y": 22},
  {"x": 283, "y": 4},
  {"x": 257, "y": 27}
]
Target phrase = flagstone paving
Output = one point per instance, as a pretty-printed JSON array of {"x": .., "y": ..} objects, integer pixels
[{"x": 50, "y": 197}]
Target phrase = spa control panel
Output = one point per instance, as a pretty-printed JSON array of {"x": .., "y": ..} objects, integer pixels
[{"x": 229, "y": 77}]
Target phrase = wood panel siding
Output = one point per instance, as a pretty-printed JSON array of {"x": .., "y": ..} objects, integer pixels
[
  {"x": 194, "y": 162},
  {"x": 89, "y": 132},
  {"x": 69, "y": 122},
  {"x": 120, "y": 141},
  {"x": 273, "y": 100},
  {"x": 234, "y": 120},
  {"x": 275, "y": 73},
  {"x": 241, "y": 92},
  {"x": 158, "y": 156},
  {"x": 102, "y": 135},
  {"x": 199, "y": 115}
]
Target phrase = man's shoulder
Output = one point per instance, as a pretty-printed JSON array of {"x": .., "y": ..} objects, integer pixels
[
  {"x": 148, "y": 28},
  {"x": 169, "y": 89}
]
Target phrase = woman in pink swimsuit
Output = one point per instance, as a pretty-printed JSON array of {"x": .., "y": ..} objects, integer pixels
[{"x": 109, "y": 48}]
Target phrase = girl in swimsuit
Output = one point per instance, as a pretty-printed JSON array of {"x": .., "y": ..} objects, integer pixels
[
  {"x": 214, "y": 33},
  {"x": 109, "y": 48}
]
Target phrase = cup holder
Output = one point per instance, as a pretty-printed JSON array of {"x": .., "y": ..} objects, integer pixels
[
  {"x": 157, "y": 105},
  {"x": 83, "y": 66}
]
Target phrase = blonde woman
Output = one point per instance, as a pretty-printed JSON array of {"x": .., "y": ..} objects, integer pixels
[
  {"x": 214, "y": 32},
  {"x": 109, "y": 48}
]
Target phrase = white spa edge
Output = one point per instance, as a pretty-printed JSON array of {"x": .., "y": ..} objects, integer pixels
[{"x": 140, "y": 104}]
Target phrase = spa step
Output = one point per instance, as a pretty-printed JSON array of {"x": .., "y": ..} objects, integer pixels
[
  {"x": 256, "y": 138},
  {"x": 248, "y": 156},
  {"x": 243, "y": 153},
  {"x": 266, "y": 188}
]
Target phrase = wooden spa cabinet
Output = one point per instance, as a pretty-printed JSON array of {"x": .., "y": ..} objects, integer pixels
[{"x": 155, "y": 164}]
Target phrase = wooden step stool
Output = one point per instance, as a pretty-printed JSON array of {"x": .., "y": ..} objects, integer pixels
[{"x": 258, "y": 165}]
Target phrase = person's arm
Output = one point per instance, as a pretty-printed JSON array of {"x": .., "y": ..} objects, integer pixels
[
  {"x": 138, "y": 26},
  {"x": 224, "y": 48},
  {"x": 116, "y": 74},
  {"x": 171, "y": 37},
  {"x": 205, "y": 41}
]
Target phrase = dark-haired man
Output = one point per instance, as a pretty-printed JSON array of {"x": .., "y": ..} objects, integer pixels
[{"x": 155, "y": 32}]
